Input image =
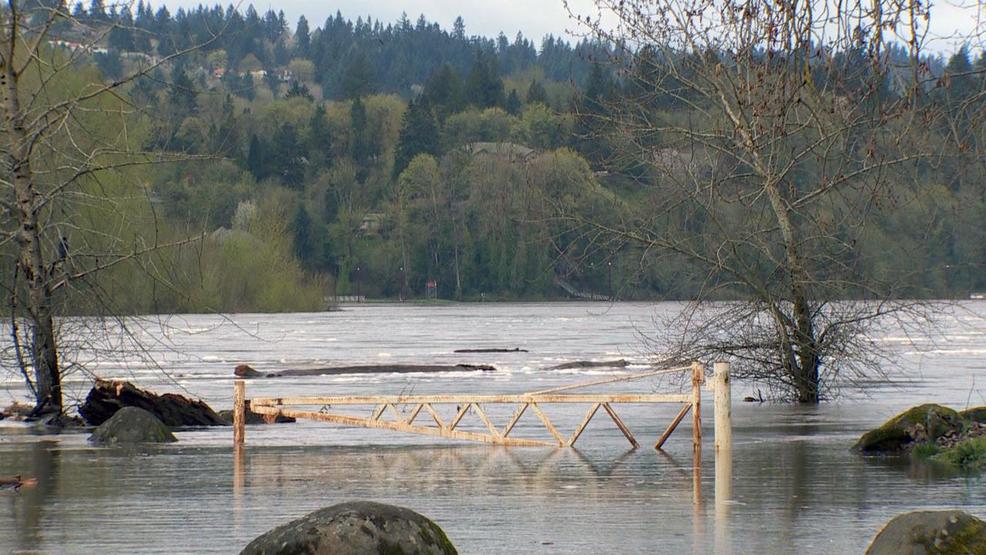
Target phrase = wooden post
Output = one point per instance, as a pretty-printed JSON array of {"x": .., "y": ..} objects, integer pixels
[
  {"x": 239, "y": 412},
  {"x": 723, "y": 408},
  {"x": 724, "y": 456},
  {"x": 698, "y": 376}
]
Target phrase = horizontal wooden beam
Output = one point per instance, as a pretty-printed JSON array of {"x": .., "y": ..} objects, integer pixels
[
  {"x": 461, "y": 399},
  {"x": 402, "y": 427},
  {"x": 626, "y": 378}
]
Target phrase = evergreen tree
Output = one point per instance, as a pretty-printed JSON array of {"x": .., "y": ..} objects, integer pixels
[
  {"x": 443, "y": 91},
  {"x": 512, "y": 105},
  {"x": 121, "y": 35},
  {"x": 302, "y": 38},
  {"x": 961, "y": 84},
  {"x": 359, "y": 146},
  {"x": 536, "y": 93},
  {"x": 96, "y": 10},
  {"x": 483, "y": 86},
  {"x": 287, "y": 161},
  {"x": 256, "y": 160},
  {"x": 299, "y": 89},
  {"x": 418, "y": 135},
  {"x": 358, "y": 79},
  {"x": 304, "y": 240},
  {"x": 319, "y": 138},
  {"x": 459, "y": 29},
  {"x": 181, "y": 95}
]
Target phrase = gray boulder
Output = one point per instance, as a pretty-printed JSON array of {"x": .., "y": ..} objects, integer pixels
[
  {"x": 356, "y": 527},
  {"x": 931, "y": 533},
  {"x": 132, "y": 425}
]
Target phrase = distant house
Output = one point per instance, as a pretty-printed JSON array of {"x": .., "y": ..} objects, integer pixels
[
  {"x": 139, "y": 56},
  {"x": 218, "y": 72},
  {"x": 510, "y": 151},
  {"x": 65, "y": 44},
  {"x": 370, "y": 225}
]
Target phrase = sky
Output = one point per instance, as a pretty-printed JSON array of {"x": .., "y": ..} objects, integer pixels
[{"x": 535, "y": 18}]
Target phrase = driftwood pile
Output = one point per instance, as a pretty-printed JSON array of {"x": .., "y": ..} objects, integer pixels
[{"x": 108, "y": 396}]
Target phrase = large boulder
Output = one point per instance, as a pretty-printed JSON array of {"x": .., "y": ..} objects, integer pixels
[
  {"x": 931, "y": 533},
  {"x": 108, "y": 396},
  {"x": 356, "y": 527},
  {"x": 132, "y": 425},
  {"x": 920, "y": 424}
]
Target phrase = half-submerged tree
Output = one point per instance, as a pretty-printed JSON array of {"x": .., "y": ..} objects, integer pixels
[
  {"x": 68, "y": 140},
  {"x": 769, "y": 136}
]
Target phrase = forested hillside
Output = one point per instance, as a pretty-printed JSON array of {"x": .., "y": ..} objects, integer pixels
[{"x": 374, "y": 158}]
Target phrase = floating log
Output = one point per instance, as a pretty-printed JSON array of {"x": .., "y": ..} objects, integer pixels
[
  {"x": 252, "y": 418},
  {"x": 591, "y": 364},
  {"x": 108, "y": 396},
  {"x": 16, "y": 411},
  {"x": 17, "y": 482},
  {"x": 245, "y": 371},
  {"x": 514, "y": 350}
]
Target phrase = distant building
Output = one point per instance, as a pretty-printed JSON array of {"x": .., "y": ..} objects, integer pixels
[
  {"x": 510, "y": 151},
  {"x": 371, "y": 223}
]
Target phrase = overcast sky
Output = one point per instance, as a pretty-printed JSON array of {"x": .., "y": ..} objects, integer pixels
[{"x": 535, "y": 18}]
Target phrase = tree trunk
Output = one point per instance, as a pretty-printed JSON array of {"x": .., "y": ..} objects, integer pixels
[
  {"x": 803, "y": 367},
  {"x": 806, "y": 378},
  {"x": 44, "y": 354}
]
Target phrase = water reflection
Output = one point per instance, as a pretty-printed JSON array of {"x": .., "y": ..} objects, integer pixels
[
  {"x": 27, "y": 504},
  {"x": 789, "y": 493}
]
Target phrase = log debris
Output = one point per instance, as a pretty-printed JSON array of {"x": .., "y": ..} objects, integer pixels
[
  {"x": 514, "y": 350},
  {"x": 108, "y": 396},
  {"x": 592, "y": 364},
  {"x": 245, "y": 371}
]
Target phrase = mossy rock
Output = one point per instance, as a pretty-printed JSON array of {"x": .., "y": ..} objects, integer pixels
[
  {"x": 917, "y": 424},
  {"x": 357, "y": 527},
  {"x": 977, "y": 415},
  {"x": 132, "y": 425},
  {"x": 931, "y": 533}
]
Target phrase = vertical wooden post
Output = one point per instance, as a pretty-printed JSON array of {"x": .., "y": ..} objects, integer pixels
[
  {"x": 724, "y": 456},
  {"x": 698, "y": 376},
  {"x": 239, "y": 412},
  {"x": 723, "y": 408}
]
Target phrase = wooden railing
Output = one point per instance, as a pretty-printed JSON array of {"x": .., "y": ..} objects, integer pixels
[{"x": 421, "y": 417}]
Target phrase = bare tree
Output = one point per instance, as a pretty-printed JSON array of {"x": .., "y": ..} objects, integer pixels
[
  {"x": 69, "y": 139},
  {"x": 770, "y": 137}
]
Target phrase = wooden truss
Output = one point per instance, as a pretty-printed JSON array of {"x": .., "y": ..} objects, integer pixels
[{"x": 417, "y": 413}]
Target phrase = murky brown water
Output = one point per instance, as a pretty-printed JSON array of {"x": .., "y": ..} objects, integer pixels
[{"x": 796, "y": 486}]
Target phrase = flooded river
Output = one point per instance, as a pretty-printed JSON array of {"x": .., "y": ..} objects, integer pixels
[{"x": 796, "y": 486}]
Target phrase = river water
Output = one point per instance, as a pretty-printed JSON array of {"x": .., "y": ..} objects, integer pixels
[{"x": 796, "y": 487}]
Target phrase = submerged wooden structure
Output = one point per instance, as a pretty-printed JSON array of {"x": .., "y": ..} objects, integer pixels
[{"x": 421, "y": 417}]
